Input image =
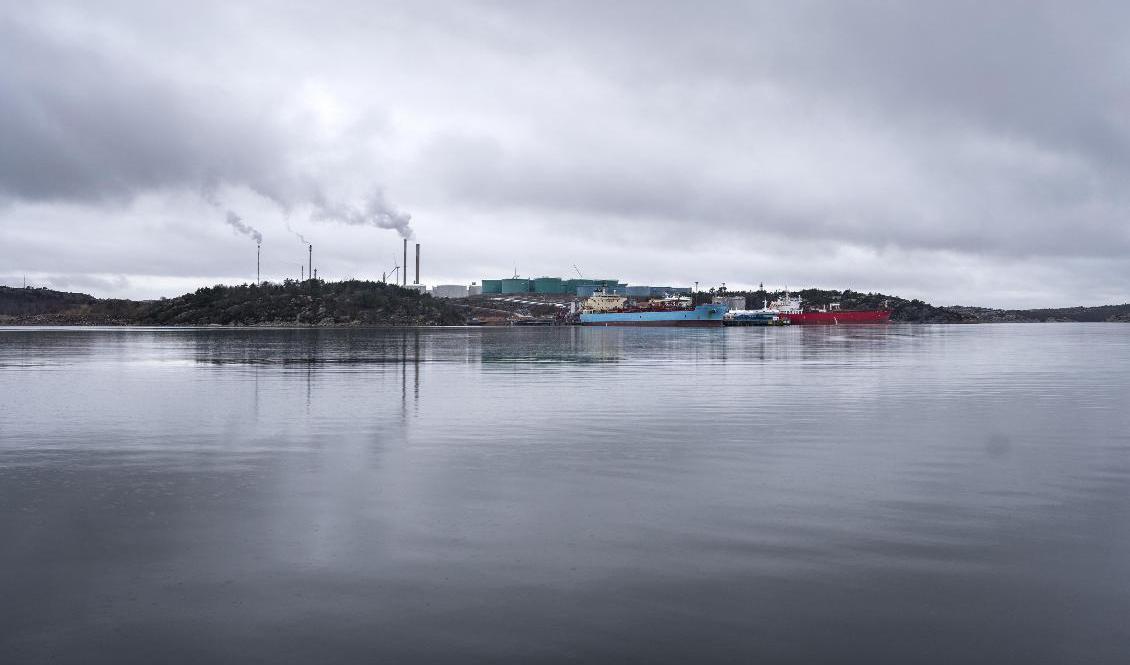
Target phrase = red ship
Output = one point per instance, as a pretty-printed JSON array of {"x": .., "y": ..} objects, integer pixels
[{"x": 791, "y": 309}]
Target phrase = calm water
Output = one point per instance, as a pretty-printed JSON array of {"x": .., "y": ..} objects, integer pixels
[{"x": 885, "y": 494}]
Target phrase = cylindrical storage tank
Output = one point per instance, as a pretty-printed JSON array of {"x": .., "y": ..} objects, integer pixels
[
  {"x": 549, "y": 285},
  {"x": 638, "y": 291},
  {"x": 572, "y": 284},
  {"x": 586, "y": 290},
  {"x": 492, "y": 286},
  {"x": 515, "y": 286}
]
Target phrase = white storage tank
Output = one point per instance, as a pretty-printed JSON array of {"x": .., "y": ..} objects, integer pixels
[{"x": 449, "y": 291}]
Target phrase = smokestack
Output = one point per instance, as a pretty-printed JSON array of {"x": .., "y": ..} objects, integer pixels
[
  {"x": 405, "y": 274},
  {"x": 310, "y": 266},
  {"x": 258, "y": 251},
  {"x": 417, "y": 264}
]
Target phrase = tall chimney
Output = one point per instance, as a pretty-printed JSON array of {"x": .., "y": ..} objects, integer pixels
[
  {"x": 404, "y": 274},
  {"x": 310, "y": 266},
  {"x": 417, "y": 264},
  {"x": 258, "y": 250}
]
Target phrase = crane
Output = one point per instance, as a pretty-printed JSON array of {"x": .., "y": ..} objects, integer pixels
[{"x": 578, "y": 271}]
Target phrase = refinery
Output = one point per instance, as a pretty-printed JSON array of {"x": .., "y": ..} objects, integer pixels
[
  {"x": 607, "y": 301},
  {"x": 610, "y": 302}
]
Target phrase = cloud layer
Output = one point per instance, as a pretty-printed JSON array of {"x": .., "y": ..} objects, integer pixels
[{"x": 952, "y": 150}]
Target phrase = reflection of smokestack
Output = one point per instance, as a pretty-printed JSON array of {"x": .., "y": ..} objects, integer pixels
[
  {"x": 405, "y": 275},
  {"x": 310, "y": 262},
  {"x": 417, "y": 264}
]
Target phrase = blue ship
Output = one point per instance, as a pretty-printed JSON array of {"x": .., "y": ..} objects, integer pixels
[{"x": 709, "y": 315}]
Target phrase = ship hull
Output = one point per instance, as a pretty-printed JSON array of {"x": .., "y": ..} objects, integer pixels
[
  {"x": 703, "y": 316},
  {"x": 752, "y": 318},
  {"x": 838, "y": 318}
]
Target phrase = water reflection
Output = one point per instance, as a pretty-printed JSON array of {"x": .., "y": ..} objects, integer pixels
[{"x": 900, "y": 494}]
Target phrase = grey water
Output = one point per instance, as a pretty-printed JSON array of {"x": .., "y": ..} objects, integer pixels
[{"x": 870, "y": 494}]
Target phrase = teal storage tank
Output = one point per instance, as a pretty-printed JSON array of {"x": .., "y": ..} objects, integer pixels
[
  {"x": 492, "y": 286},
  {"x": 515, "y": 285},
  {"x": 549, "y": 285}
]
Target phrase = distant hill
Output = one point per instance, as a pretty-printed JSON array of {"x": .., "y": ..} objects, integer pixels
[
  {"x": 916, "y": 311},
  {"x": 313, "y": 302},
  {"x": 30, "y": 302},
  {"x": 1114, "y": 313}
]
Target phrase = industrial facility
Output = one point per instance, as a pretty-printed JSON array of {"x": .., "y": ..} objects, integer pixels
[
  {"x": 529, "y": 291},
  {"x": 582, "y": 287}
]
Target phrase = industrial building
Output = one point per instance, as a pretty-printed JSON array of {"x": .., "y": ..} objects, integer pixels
[
  {"x": 545, "y": 285},
  {"x": 449, "y": 291},
  {"x": 582, "y": 287}
]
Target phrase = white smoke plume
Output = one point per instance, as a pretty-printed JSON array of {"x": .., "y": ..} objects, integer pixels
[
  {"x": 375, "y": 212},
  {"x": 236, "y": 222},
  {"x": 301, "y": 238}
]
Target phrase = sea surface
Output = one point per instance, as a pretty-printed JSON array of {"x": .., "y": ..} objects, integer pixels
[{"x": 847, "y": 494}]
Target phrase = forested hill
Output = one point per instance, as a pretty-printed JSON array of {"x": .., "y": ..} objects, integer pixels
[
  {"x": 1111, "y": 313},
  {"x": 313, "y": 302},
  {"x": 916, "y": 311},
  {"x": 907, "y": 311},
  {"x": 316, "y": 302},
  {"x": 19, "y": 303}
]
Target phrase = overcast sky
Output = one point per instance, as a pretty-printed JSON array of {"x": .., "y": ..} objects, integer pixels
[{"x": 960, "y": 152}]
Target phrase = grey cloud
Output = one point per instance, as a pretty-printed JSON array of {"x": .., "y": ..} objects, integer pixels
[
  {"x": 997, "y": 132},
  {"x": 83, "y": 124},
  {"x": 88, "y": 121},
  {"x": 1003, "y": 120},
  {"x": 84, "y": 283},
  {"x": 982, "y": 204}
]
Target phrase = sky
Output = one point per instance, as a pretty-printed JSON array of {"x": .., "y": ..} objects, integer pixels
[{"x": 960, "y": 152}]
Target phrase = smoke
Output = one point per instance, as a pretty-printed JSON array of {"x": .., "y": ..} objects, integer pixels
[
  {"x": 236, "y": 222},
  {"x": 301, "y": 238},
  {"x": 375, "y": 212}
]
